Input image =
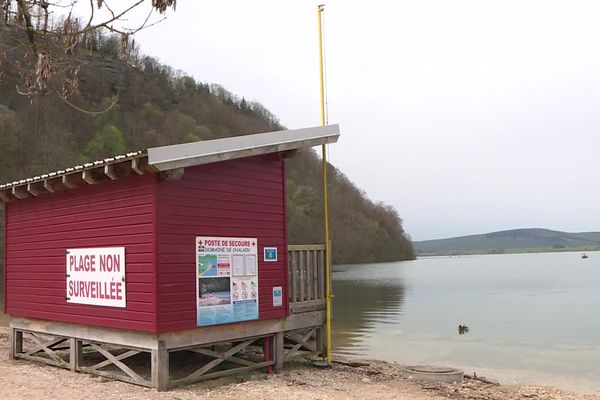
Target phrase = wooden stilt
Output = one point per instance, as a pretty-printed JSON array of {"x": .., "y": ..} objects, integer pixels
[
  {"x": 160, "y": 369},
  {"x": 321, "y": 340},
  {"x": 16, "y": 343},
  {"x": 278, "y": 351},
  {"x": 75, "y": 352},
  {"x": 268, "y": 352}
]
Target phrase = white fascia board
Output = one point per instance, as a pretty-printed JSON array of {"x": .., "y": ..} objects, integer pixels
[{"x": 189, "y": 154}]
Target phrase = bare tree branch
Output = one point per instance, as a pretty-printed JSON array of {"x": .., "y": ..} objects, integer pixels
[
  {"x": 46, "y": 53},
  {"x": 24, "y": 11}
]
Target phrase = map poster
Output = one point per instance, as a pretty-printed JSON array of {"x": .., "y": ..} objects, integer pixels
[{"x": 226, "y": 280}]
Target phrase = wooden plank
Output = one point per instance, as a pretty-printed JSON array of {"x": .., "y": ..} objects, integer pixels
[
  {"x": 215, "y": 354},
  {"x": 126, "y": 325},
  {"x": 43, "y": 360},
  {"x": 228, "y": 332},
  {"x": 160, "y": 369},
  {"x": 128, "y": 338},
  {"x": 119, "y": 377},
  {"x": 219, "y": 374},
  {"x": 300, "y": 247},
  {"x": 222, "y": 204},
  {"x": 75, "y": 353},
  {"x": 316, "y": 266},
  {"x": 79, "y": 227},
  {"x": 120, "y": 357},
  {"x": 309, "y": 274},
  {"x": 123, "y": 367},
  {"x": 294, "y": 277},
  {"x": 315, "y": 258},
  {"x": 300, "y": 342},
  {"x": 195, "y": 347},
  {"x": 46, "y": 347},
  {"x": 16, "y": 343},
  {"x": 302, "y": 276},
  {"x": 310, "y": 305},
  {"x": 118, "y": 208},
  {"x": 321, "y": 339},
  {"x": 207, "y": 194},
  {"x": 278, "y": 351},
  {"x": 302, "y": 338},
  {"x": 322, "y": 274},
  {"x": 128, "y": 188},
  {"x": 221, "y": 358},
  {"x": 290, "y": 288}
]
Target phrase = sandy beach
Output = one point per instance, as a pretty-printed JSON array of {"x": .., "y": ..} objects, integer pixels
[{"x": 378, "y": 380}]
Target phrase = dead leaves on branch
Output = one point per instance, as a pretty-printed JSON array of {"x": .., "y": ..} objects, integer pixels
[
  {"x": 159, "y": 5},
  {"x": 162, "y": 5},
  {"x": 49, "y": 60}
]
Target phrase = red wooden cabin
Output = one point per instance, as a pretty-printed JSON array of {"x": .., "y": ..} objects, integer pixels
[{"x": 153, "y": 205}]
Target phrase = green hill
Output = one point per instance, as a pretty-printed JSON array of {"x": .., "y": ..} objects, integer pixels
[
  {"x": 511, "y": 241},
  {"x": 158, "y": 105}
]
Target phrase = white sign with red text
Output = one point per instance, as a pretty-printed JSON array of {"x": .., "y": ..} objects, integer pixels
[{"x": 96, "y": 276}]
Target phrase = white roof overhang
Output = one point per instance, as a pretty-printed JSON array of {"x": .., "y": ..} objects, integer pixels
[
  {"x": 197, "y": 153},
  {"x": 169, "y": 157}
]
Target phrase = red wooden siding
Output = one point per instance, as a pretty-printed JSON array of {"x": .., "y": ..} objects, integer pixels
[
  {"x": 39, "y": 230},
  {"x": 237, "y": 198}
]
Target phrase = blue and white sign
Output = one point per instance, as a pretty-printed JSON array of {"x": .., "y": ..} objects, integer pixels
[
  {"x": 277, "y": 296},
  {"x": 270, "y": 254}
]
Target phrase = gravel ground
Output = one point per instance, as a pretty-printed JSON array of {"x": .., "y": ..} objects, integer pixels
[{"x": 379, "y": 380}]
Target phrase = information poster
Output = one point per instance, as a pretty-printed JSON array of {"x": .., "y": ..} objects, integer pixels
[{"x": 226, "y": 279}]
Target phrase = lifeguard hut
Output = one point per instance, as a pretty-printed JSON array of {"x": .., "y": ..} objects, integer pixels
[{"x": 117, "y": 266}]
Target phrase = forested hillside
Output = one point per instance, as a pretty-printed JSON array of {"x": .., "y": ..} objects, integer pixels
[{"x": 157, "y": 105}]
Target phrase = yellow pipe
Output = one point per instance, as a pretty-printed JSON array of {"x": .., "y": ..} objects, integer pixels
[{"x": 328, "y": 295}]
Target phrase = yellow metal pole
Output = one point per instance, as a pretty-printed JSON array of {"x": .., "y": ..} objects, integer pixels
[{"x": 328, "y": 294}]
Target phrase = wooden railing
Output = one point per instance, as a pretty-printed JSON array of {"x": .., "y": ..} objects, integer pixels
[{"x": 306, "y": 277}]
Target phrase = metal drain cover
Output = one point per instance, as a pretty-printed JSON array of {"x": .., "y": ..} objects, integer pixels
[{"x": 432, "y": 373}]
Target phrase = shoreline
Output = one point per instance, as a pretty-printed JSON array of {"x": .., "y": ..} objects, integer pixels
[{"x": 20, "y": 380}]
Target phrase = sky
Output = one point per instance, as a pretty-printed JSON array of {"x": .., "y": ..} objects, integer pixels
[{"x": 466, "y": 116}]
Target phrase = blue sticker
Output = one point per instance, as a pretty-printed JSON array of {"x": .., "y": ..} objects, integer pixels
[{"x": 270, "y": 254}]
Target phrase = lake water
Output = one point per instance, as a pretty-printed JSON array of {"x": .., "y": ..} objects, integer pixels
[{"x": 532, "y": 318}]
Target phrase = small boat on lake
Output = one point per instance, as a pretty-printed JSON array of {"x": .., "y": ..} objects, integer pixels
[{"x": 584, "y": 255}]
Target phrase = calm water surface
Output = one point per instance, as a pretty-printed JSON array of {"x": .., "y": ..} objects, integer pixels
[{"x": 532, "y": 318}]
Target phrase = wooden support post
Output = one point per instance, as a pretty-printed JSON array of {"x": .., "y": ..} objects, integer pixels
[
  {"x": 67, "y": 183},
  {"x": 108, "y": 171},
  {"x": 48, "y": 186},
  {"x": 16, "y": 343},
  {"x": 88, "y": 178},
  {"x": 321, "y": 340},
  {"x": 278, "y": 351},
  {"x": 19, "y": 194},
  {"x": 75, "y": 353},
  {"x": 160, "y": 369},
  {"x": 268, "y": 347},
  {"x": 135, "y": 166},
  {"x": 32, "y": 190}
]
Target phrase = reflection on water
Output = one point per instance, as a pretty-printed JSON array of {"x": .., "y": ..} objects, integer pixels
[
  {"x": 359, "y": 308},
  {"x": 530, "y": 318}
]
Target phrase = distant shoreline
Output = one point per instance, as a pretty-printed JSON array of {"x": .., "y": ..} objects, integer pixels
[
  {"x": 525, "y": 240},
  {"x": 532, "y": 250}
]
